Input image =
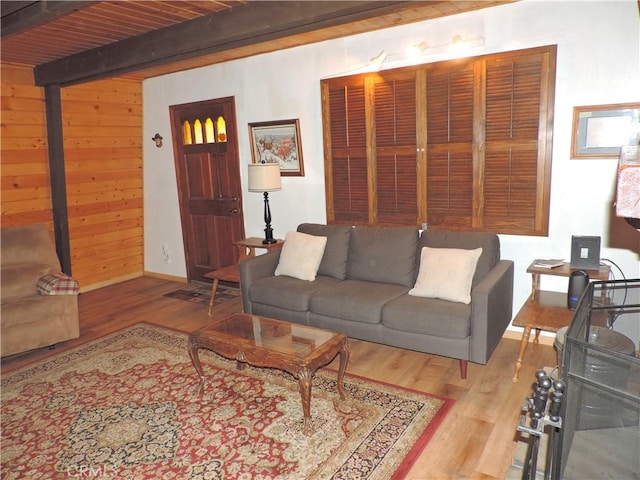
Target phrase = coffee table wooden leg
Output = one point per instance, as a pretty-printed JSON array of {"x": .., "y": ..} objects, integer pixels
[
  {"x": 213, "y": 295},
  {"x": 195, "y": 360},
  {"x": 523, "y": 348},
  {"x": 344, "y": 359},
  {"x": 305, "y": 378}
]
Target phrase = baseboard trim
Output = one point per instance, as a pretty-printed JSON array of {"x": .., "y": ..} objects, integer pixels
[
  {"x": 111, "y": 281},
  {"x": 171, "y": 278}
]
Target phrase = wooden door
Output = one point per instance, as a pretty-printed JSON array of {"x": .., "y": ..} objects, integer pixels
[{"x": 209, "y": 187}]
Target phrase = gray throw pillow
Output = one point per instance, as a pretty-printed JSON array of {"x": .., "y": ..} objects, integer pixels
[
  {"x": 334, "y": 260},
  {"x": 383, "y": 254}
]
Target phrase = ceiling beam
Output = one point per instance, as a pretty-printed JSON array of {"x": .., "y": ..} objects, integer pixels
[
  {"x": 21, "y": 15},
  {"x": 249, "y": 23}
]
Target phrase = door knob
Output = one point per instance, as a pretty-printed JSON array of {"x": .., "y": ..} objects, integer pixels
[{"x": 233, "y": 211}]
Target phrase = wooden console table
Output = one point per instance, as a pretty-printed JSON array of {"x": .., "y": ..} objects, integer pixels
[
  {"x": 246, "y": 249},
  {"x": 546, "y": 310}
]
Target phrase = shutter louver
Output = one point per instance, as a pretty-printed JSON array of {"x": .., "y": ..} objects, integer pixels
[
  {"x": 449, "y": 146},
  {"x": 511, "y": 160},
  {"x": 395, "y": 127},
  {"x": 348, "y": 154}
]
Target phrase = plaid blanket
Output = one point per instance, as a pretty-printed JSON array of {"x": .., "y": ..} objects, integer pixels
[{"x": 57, "y": 284}]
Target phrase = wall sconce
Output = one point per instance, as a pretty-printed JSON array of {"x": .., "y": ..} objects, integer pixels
[
  {"x": 414, "y": 52},
  {"x": 459, "y": 44},
  {"x": 457, "y": 47},
  {"x": 158, "y": 139},
  {"x": 376, "y": 62}
]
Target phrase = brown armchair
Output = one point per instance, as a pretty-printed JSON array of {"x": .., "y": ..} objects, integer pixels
[{"x": 39, "y": 303}]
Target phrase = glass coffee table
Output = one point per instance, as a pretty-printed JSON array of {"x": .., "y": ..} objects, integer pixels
[{"x": 266, "y": 342}]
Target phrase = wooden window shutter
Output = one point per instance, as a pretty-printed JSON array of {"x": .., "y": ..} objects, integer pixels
[
  {"x": 346, "y": 157},
  {"x": 514, "y": 106},
  {"x": 395, "y": 147},
  {"x": 450, "y": 172},
  {"x": 462, "y": 144}
]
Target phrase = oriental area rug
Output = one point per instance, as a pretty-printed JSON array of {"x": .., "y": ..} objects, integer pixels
[{"x": 126, "y": 407}]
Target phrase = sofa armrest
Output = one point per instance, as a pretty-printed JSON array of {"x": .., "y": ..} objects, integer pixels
[
  {"x": 491, "y": 311},
  {"x": 252, "y": 270}
]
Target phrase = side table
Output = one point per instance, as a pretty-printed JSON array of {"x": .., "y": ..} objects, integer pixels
[
  {"x": 546, "y": 310},
  {"x": 246, "y": 249},
  {"x": 247, "y": 246}
]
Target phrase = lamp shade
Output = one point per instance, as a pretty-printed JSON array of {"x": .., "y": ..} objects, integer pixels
[{"x": 264, "y": 177}]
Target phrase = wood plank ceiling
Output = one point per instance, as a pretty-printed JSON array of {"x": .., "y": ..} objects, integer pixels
[{"x": 69, "y": 42}]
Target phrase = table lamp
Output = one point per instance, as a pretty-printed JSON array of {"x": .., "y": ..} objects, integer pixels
[{"x": 265, "y": 177}]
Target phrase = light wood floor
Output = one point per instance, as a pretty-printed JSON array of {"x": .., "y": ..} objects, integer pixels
[{"x": 476, "y": 439}]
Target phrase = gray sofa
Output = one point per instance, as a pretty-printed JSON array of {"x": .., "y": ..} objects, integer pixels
[{"x": 362, "y": 286}]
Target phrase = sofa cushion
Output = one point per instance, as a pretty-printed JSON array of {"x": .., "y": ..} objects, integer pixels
[
  {"x": 354, "y": 300},
  {"x": 301, "y": 255},
  {"x": 334, "y": 259},
  {"x": 489, "y": 242},
  {"x": 428, "y": 316},
  {"x": 18, "y": 281},
  {"x": 287, "y": 292},
  {"x": 446, "y": 273},
  {"x": 383, "y": 255}
]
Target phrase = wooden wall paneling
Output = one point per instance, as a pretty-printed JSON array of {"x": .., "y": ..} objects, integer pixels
[
  {"x": 103, "y": 150},
  {"x": 109, "y": 257},
  {"x": 25, "y": 189},
  {"x": 25, "y": 194},
  {"x": 102, "y": 133},
  {"x": 102, "y": 138},
  {"x": 17, "y": 75}
]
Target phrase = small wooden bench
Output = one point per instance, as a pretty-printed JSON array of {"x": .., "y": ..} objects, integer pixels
[
  {"x": 246, "y": 249},
  {"x": 226, "y": 274}
]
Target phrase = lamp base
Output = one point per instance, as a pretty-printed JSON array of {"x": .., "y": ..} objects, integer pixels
[
  {"x": 268, "y": 231},
  {"x": 268, "y": 237}
]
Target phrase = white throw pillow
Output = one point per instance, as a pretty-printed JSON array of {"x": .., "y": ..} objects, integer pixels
[
  {"x": 301, "y": 255},
  {"x": 446, "y": 273}
]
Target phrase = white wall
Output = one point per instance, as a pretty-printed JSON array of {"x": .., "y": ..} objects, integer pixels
[{"x": 598, "y": 63}]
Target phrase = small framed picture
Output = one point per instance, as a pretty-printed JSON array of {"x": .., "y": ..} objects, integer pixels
[
  {"x": 278, "y": 142},
  {"x": 600, "y": 130}
]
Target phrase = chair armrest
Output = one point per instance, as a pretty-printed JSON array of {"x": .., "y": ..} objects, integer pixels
[
  {"x": 252, "y": 270},
  {"x": 491, "y": 311}
]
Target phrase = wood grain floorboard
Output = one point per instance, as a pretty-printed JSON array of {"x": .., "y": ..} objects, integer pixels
[{"x": 476, "y": 440}]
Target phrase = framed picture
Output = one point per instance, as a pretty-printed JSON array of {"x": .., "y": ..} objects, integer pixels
[
  {"x": 278, "y": 142},
  {"x": 600, "y": 130}
]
